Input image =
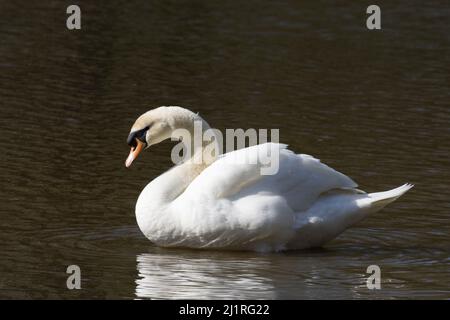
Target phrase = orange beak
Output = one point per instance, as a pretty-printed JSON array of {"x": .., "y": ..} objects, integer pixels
[{"x": 134, "y": 152}]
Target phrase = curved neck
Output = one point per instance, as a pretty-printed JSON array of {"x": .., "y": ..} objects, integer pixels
[{"x": 169, "y": 185}]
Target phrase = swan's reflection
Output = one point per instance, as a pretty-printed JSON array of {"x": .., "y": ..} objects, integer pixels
[
  {"x": 195, "y": 274},
  {"x": 176, "y": 274}
]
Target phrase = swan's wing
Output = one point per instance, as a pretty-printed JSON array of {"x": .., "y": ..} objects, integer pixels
[{"x": 300, "y": 178}]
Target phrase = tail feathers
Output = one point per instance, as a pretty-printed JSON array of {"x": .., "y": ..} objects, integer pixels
[{"x": 381, "y": 199}]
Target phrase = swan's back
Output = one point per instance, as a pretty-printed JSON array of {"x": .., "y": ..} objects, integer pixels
[{"x": 300, "y": 178}]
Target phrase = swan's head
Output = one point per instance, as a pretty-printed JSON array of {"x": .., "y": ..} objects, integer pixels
[{"x": 156, "y": 126}]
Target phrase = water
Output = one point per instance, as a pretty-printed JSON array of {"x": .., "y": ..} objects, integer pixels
[{"x": 374, "y": 105}]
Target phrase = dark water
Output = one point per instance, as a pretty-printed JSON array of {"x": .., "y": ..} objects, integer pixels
[{"x": 374, "y": 105}]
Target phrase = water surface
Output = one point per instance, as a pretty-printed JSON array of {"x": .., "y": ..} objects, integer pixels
[{"x": 373, "y": 105}]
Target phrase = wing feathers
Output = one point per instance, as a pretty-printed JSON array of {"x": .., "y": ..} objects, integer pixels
[{"x": 300, "y": 178}]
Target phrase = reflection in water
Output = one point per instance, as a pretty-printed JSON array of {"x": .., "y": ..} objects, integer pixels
[
  {"x": 202, "y": 276},
  {"x": 335, "y": 273}
]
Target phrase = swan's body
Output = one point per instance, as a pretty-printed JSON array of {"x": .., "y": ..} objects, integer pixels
[{"x": 225, "y": 203}]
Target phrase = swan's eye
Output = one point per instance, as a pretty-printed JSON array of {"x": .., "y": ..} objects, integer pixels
[{"x": 139, "y": 134}]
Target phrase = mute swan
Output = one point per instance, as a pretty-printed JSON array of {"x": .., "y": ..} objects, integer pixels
[{"x": 223, "y": 203}]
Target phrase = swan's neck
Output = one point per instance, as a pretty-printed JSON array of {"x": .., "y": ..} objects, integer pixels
[{"x": 168, "y": 186}]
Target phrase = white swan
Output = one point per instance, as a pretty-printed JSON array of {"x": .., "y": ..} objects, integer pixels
[{"x": 224, "y": 204}]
